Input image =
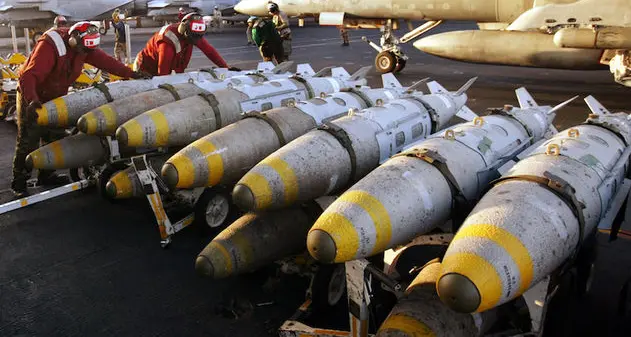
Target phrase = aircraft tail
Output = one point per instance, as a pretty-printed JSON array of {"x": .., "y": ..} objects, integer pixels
[{"x": 595, "y": 106}]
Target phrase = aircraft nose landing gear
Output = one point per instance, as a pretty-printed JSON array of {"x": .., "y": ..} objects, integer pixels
[{"x": 390, "y": 57}]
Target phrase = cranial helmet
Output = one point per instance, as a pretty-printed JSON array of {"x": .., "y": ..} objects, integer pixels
[
  {"x": 252, "y": 19},
  {"x": 84, "y": 34},
  {"x": 192, "y": 26},
  {"x": 60, "y": 21},
  {"x": 272, "y": 7}
]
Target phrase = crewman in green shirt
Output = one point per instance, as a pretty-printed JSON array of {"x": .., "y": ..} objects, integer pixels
[{"x": 268, "y": 40}]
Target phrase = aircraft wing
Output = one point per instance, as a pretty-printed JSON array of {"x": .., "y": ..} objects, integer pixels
[{"x": 158, "y": 4}]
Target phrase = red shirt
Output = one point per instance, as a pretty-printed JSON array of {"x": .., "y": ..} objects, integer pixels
[
  {"x": 47, "y": 75},
  {"x": 159, "y": 57}
]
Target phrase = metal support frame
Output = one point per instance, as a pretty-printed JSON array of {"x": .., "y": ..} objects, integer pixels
[
  {"x": 152, "y": 184},
  {"x": 359, "y": 275},
  {"x": 43, "y": 196}
]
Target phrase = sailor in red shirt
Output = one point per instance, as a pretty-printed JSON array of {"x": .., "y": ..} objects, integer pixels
[
  {"x": 180, "y": 14},
  {"x": 56, "y": 62},
  {"x": 171, "y": 48}
]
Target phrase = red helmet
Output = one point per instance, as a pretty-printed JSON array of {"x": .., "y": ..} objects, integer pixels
[
  {"x": 85, "y": 34},
  {"x": 192, "y": 26}
]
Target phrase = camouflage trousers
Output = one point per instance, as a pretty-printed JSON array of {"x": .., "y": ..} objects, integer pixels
[
  {"x": 272, "y": 51},
  {"x": 30, "y": 137},
  {"x": 344, "y": 34}
]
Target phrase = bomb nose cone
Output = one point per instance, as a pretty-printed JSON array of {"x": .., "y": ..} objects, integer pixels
[
  {"x": 321, "y": 246},
  {"x": 82, "y": 124},
  {"x": 28, "y": 163},
  {"x": 204, "y": 267},
  {"x": 458, "y": 293},
  {"x": 243, "y": 197},
  {"x": 122, "y": 137},
  {"x": 170, "y": 175},
  {"x": 110, "y": 189}
]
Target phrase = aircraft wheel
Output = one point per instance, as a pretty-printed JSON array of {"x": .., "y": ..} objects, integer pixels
[
  {"x": 102, "y": 31},
  {"x": 400, "y": 65},
  {"x": 385, "y": 62}
]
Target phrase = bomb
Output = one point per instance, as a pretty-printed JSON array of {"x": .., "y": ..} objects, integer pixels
[
  {"x": 327, "y": 159},
  {"x": 417, "y": 190},
  {"x": 258, "y": 239},
  {"x": 182, "y": 122},
  {"x": 65, "y": 111},
  {"x": 105, "y": 119},
  {"x": 240, "y": 146},
  {"x": 537, "y": 215}
]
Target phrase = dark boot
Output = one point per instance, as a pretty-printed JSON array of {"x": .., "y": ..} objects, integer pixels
[{"x": 18, "y": 187}]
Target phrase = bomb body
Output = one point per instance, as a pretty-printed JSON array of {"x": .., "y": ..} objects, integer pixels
[
  {"x": 326, "y": 160},
  {"x": 537, "y": 215},
  {"x": 225, "y": 155},
  {"x": 66, "y": 110},
  {"x": 258, "y": 239},
  {"x": 105, "y": 119},
  {"x": 421, "y": 313},
  {"x": 182, "y": 122},
  {"x": 418, "y": 190}
]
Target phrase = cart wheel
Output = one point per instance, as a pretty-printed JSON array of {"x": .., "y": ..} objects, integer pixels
[
  {"x": 385, "y": 62},
  {"x": 409, "y": 261},
  {"x": 213, "y": 209},
  {"x": 400, "y": 65},
  {"x": 329, "y": 286},
  {"x": 104, "y": 176},
  {"x": 79, "y": 174}
]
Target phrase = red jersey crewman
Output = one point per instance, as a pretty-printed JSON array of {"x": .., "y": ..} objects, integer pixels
[
  {"x": 171, "y": 48},
  {"x": 56, "y": 62}
]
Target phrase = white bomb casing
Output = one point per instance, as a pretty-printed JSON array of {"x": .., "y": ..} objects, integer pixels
[
  {"x": 536, "y": 216},
  {"x": 420, "y": 189}
]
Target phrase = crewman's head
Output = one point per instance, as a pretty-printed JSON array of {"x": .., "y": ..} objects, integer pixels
[
  {"x": 272, "y": 7},
  {"x": 60, "y": 21},
  {"x": 251, "y": 20},
  {"x": 192, "y": 27},
  {"x": 84, "y": 37},
  {"x": 116, "y": 15},
  {"x": 182, "y": 10}
]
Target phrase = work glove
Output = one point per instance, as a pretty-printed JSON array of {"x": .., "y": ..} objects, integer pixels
[
  {"x": 31, "y": 111},
  {"x": 234, "y": 69},
  {"x": 141, "y": 75}
]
